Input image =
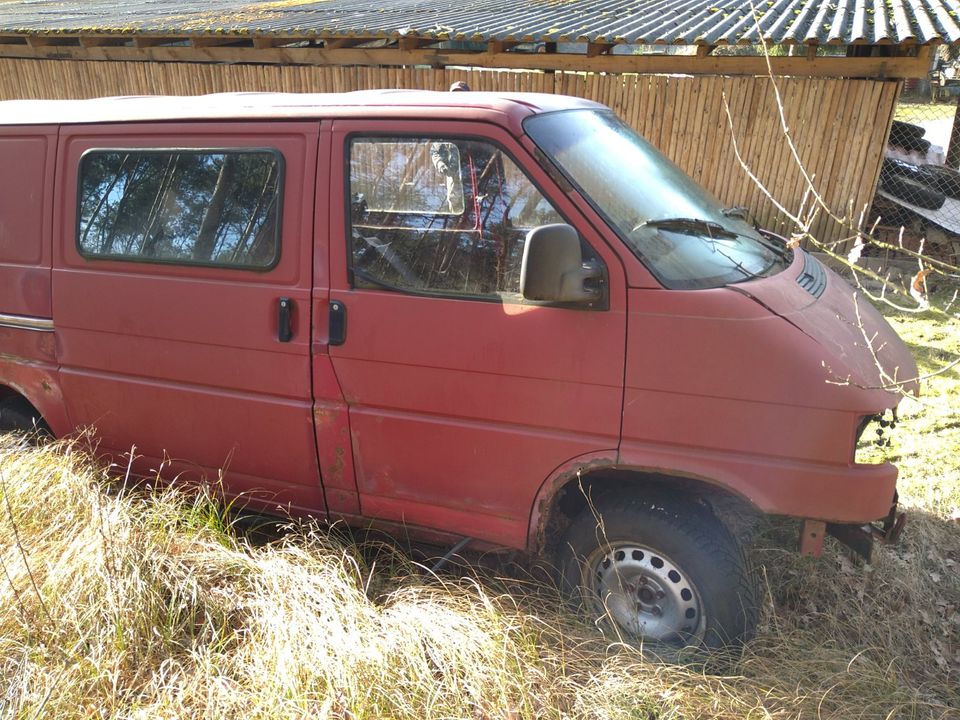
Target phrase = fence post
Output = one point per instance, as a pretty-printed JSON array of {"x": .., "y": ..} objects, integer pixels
[{"x": 953, "y": 150}]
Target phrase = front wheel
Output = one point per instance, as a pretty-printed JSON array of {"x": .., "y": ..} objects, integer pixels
[{"x": 660, "y": 571}]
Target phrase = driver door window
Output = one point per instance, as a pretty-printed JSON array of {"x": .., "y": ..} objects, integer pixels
[{"x": 440, "y": 216}]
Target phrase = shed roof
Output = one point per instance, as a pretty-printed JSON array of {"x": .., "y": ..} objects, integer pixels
[{"x": 687, "y": 22}]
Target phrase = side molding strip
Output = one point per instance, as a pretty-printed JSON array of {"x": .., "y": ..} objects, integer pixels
[{"x": 23, "y": 322}]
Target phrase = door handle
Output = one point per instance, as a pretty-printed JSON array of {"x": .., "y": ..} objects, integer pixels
[
  {"x": 338, "y": 323},
  {"x": 284, "y": 326}
]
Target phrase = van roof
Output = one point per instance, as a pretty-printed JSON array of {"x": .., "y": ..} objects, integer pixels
[{"x": 253, "y": 106}]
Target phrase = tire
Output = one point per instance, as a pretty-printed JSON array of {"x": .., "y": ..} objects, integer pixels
[
  {"x": 908, "y": 136},
  {"x": 944, "y": 179},
  {"x": 900, "y": 130},
  {"x": 913, "y": 192},
  {"x": 17, "y": 416},
  {"x": 659, "y": 571},
  {"x": 936, "y": 177}
]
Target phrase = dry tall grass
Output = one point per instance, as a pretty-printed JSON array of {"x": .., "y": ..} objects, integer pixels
[{"x": 114, "y": 605}]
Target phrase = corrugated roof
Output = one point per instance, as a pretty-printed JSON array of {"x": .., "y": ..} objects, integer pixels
[{"x": 688, "y": 22}]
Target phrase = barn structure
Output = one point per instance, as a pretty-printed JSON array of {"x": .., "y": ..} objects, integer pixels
[{"x": 710, "y": 83}]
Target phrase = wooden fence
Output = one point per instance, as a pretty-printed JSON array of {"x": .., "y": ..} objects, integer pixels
[{"x": 838, "y": 126}]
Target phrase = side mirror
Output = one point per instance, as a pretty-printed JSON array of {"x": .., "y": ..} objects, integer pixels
[{"x": 553, "y": 270}]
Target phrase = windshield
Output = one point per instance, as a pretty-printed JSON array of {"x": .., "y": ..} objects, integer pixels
[{"x": 677, "y": 229}]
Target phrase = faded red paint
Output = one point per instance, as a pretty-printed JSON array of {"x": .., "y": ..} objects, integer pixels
[{"x": 457, "y": 417}]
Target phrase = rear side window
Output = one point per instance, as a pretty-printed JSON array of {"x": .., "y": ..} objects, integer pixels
[{"x": 192, "y": 207}]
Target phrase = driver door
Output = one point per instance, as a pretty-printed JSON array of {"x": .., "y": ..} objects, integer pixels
[{"x": 462, "y": 397}]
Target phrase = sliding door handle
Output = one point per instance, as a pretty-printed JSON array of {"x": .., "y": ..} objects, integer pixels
[
  {"x": 338, "y": 323},
  {"x": 284, "y": 321}
]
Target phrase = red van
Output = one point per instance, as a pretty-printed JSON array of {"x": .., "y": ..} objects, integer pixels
[{"x": 502, "y": 318}]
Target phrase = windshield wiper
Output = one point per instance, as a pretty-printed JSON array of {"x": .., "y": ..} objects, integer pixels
[
  {"x": 707, "y": 229},
  {"x": 691, "y": 225},
  {"x": 781, "y": 251}
]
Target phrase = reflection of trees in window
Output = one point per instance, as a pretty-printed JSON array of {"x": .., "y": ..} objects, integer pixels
[
  {"x": 196, "y": 207},
  {"x": 408, "y": 176},
  {"x": 404, "y": 233}
]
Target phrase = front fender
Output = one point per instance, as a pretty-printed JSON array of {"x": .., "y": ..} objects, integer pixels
[
  {"x": 844, "y": 493},
  {"x": 848, "y": 493}
]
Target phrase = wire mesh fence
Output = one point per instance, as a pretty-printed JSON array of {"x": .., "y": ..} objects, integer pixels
[{"x": 918, "y": 194}]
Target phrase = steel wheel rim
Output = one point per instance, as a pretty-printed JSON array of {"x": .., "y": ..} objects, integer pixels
[{"x": 645, "y": 593}]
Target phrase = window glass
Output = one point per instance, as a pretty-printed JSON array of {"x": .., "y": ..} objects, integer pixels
[
  {"x": 407, "y": 176},
  {"x": 195, "y": 207},
  {"x": 440, "y": 216}
]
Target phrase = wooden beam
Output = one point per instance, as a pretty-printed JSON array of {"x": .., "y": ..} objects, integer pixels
[
  {"x": 39, "y": 41},
  {"x": 341, "y": 43},
  {"x": 148, "y": 42},
  {"x": 925, "y": 54},
  {"x": 498, "y": 46},
  {"x": 953, "y": 149},
  {"x": 595, "y": 49},
  {"x": 412, "y": 43},
  {"x": 89, "y": 41},
  {"x": 704, "y": 50},
  {"x": 208, "y": 41},
  {"x": 42, "y": 42},
  {"x": 821, "y": 66}
]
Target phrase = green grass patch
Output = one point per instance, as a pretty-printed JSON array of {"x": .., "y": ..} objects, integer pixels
[{"x": 918, "y": 112}]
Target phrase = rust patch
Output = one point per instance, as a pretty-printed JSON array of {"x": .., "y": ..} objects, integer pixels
[
  {"x": 546, "y": 518},
  {"x": 335, "y": 471},
  {"x": 323, "y": 417}
]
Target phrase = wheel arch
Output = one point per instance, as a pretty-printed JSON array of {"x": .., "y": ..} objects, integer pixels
[
  {"x": 49, "y": 413},
  {"x": 569, "y": 491}
]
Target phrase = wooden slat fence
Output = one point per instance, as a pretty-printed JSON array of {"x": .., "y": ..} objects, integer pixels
[{"x": 838, "y": 126}]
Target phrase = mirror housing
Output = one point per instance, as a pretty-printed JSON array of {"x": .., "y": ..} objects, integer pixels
[{"x": 553, "y": 270}]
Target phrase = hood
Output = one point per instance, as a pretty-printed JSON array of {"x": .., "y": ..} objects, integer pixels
[{"x": 857, "y": 339}]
